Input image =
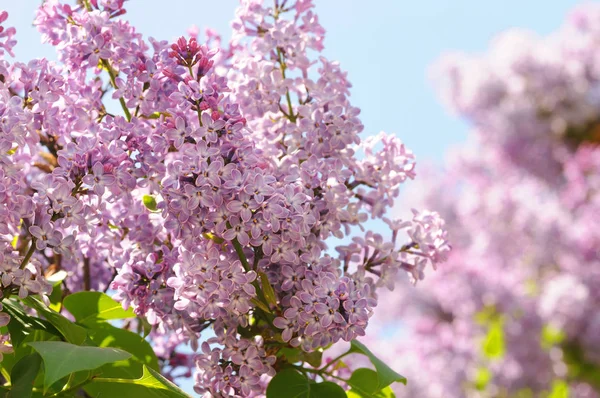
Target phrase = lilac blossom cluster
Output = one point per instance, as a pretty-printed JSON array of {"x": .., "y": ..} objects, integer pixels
[
  {"x": 208, "y": 199},
  {"x": 516, "y": 306},
  {"x": 536, "y": 97}
]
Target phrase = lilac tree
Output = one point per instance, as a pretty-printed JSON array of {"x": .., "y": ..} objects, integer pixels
[
  {"x": 516, "y": 309},
  {"x": 201, "y": 187}
]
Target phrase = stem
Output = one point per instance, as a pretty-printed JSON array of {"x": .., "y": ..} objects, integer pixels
[
  {"x": 113, "y": 78},
  {"x": 334, "y": 360},
  {"x": 292, "y": 118},
  {"x": 87, "y": 5},
  {"x": 74, "y": 388},
  {"x": 5, "y": 374},
  {"x": 87, "y": 279},
  {"x": 240, "y": 252},
  {"x": 320, "y": 373},
  {"x": 29, "y": 253}
]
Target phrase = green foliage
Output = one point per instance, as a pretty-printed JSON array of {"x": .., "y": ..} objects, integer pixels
[
  {"x": 104, "y": 334},
  {"x": 267, "y": 290},
  {"x": 150, "y": 385},
  {"x": 54, "y": 356},
  {"x": 560, "y": 389},
  {"x": 293, "y": 384},
  {"x": 22, "y": 325},
  {"x": 364, "y": 384},
  {"x": 493, "y": 343},
  {"x": 150, "y": 202},
  {"x": 92, "y": 306},
  {"x": 73, "y": 333},
  {"x": 61, "y": 359},
  {"x": 551, "y": 337},
  {"x": 23, "y": 376},
  {"x": 579, "y": 366},
  {"x": 385, "y": 374},
  {"x": 482, "y": 379}
]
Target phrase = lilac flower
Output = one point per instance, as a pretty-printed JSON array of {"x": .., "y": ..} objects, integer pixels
[
  {"x": 45, "y": 235},
  {"x": 178, "y": 133},
  {"x": 237, "y": 231},
  {"x": 222, "y": 165},
  {"x": 98, "y": 179}
]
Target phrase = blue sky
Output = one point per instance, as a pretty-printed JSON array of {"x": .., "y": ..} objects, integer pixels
[{"x": 385, "y": 45}]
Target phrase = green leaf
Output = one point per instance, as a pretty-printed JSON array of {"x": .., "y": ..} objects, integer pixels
[
  {"x": 313, "y": 358},
  {"x": 327, "y": 389},
  {"x": 292, "y": 355},
  {"x": 149, "y": 202},
  {"x": 56, "y": 298},
  {"x": 260, "y": 305},
  {"x": 560, "y": 389},
  {"x": 22, "y": 325},
  {"x": 486, "y": 315},
  {"x": 288, "y": 383},
  {"x": 385, "y": 374},
  {"x": 23, "y": 375},
  {"x": 73, "y": 333},
  {"x": 482, "y": 379},
  {"x": 144, "y": 326},
  {"x": 493, "y": 343},
  {"x": 268, "y": 289},
  {"x": 104, "y": 334},
  {"x": 365, "y": 384},
  {"x": 10, "y": 359},
  {"x": 551, "y": 336},
  {"x": 291, "y": 383},
  {"x": 92, "y": 306},
  {"x": 61, "y": 359},
  {"x": 385, "y": 393},
  {"x": 151, "y": 385}
]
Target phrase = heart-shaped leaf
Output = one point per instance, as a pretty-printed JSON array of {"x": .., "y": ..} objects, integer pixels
[
  {"x": 90, "y": 306},
  {"x": 61, "y": 359},
  {"x": 385, "y": 374}
]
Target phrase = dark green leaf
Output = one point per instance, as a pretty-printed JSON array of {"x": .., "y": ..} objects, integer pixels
[
  {"x": 73, "y": 333},
  {"x": 23, "y": 375},
  {"x": 327, "y": 390},
  {"x": 151, "y": 385},
  {"x": 22, "y": 325},
  {"x": 365, "y": 384},
  {"x": 104, "y": 334},
  {"x": 385, "y": 374},
  {"x": 9, "y": 360},
  {"x": 292, "y": 355},
  {"x": 288, "y": 383},
  {"x": 91, "y": 306},
  {"x": 144, "y": 326},
  {"x": 61, "y": 359},
  {"x": 313, "y": 358},
  {"x": 293, "y": 384}
]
